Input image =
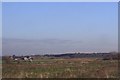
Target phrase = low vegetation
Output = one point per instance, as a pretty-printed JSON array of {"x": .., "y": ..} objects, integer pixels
[{"x": 60, "y": 68}]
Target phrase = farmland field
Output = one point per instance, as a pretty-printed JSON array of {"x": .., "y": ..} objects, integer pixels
[{"x": 61, "y": 68}]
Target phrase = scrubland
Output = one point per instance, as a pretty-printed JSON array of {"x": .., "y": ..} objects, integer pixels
[{"x": 60, "y": 68}]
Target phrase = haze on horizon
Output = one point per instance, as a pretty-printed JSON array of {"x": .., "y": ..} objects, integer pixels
[{"x": 40, "y": 28}]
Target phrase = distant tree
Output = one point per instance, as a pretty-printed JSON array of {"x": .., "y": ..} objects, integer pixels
[{"x": 13, "y": 56}]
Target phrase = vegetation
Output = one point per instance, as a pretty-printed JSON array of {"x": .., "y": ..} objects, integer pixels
[{"x": 60, "y": 68}]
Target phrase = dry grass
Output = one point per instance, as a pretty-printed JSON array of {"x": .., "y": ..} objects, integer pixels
[{"x": 61, "y": 68}]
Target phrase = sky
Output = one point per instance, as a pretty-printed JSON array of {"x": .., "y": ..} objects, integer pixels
[
  {"x": 0, "y": 28},
  {"x": 51, "y": 27}
]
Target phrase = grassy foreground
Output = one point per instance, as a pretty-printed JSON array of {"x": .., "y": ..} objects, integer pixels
[{"x": 61, "y": 68}]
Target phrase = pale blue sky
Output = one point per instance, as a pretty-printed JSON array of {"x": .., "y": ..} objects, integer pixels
[
  {"x": 0, "y": 28},
  {"x": 90, "y": 26}
]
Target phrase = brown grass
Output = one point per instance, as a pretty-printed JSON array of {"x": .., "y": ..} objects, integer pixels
[{"x": 61, "y": 68}]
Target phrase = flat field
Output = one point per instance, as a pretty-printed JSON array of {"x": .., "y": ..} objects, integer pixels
[{"x": 61, "y": 68}]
